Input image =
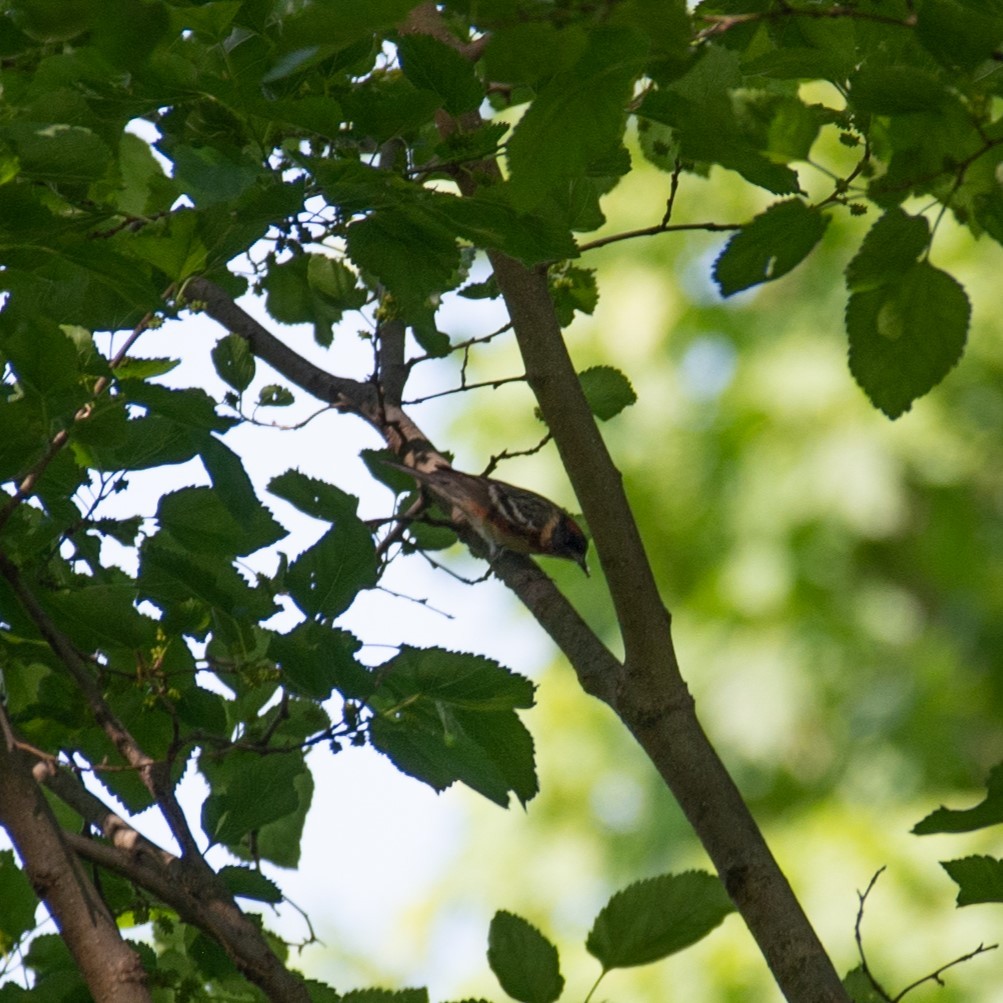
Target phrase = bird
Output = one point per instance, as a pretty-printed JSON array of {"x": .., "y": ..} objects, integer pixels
[{"x": 504, "y": 516}]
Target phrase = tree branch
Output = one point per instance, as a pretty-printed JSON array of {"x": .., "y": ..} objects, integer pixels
[
  {"x": 207, "y": 902},
  {"x": 649, "y": 694},
  {"x": 110, "y": 967},
  {"x": 188, "y": 885}
]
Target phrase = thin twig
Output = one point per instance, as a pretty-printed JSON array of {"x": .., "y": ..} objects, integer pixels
[
  {"x": 720, "y": 23},
  {"x": 935, "y": 976},
  {"x": 653, "y": 231},
  {"x": 858, "y": 936},
  {"x": 506, "y": 454},
  {"x": 493, "y": 384}
]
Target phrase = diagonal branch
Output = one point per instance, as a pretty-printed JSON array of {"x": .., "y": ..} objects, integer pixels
[
  {"x": 110, "y": 967},
  {"x": 186, "y": 884}
]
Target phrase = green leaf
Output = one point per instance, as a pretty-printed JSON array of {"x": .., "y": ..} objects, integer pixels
[
  {"x": 191, "y": 408},
  {"x": 577, "y": 117},
  {"x": 385, "y": 996},
  {"x": 461, "y": 680},
  {"x": 906, "y": 336},
  {"x": 488, "y": 221},
  {"x": 895, "y": 90},
  {"x": 316, "y": 659},
  {"x": 275, "y": 396},
  {"x": 202, "y": 709},
  {"x": 770, "y": 246},
  {"x": 655, "y": 918},
  {"x": 988, "y": 812},
  {"x": 144, "y": 369},
  {"x": 247, "y": 792},
  {"x": 210, "y": 175},
  {"x": 710, "y": 120},
  {"x": 572, "y": 289},
  {"x": 250, "y": 884},
  {"x": 860, "y": 988},
  {"x": 103, "y": 615},
  {"x": 58, "y": 153},
  {"x": 202, "y": 523},
  {"x": 280, "y": 841},
  {"x": 889, "y": 250},
  {"x": 959, "y": 35},
  {"x": 19, "y": 902},
  {"x": 312, "y": 289},
  {"x": 414, "y": 257},
  {"x": 979, "y": 879},
  {"x": 607, "y": 390},
  {"x": 174, "y": 244},
  {"x": 443, "y": 717},
  {"x": 171, "y": 577},
  {"x": 234, "y": 362},
  {"x": 434, "y": 66},
  {"x": 524, "y": 961},
  {"x": 529, "y": 52},
  {"x": 313, "y": 497},
  {"x": 325, "y": 579}
]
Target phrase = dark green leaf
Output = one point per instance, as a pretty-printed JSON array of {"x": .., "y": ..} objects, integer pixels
[
  {"x": 233, "y": 488},
  {"x": 461, "y": 680},
  {"x": 861, "y": 989},
  {"x": 192, "y": 408},
  {"x": 234, "y": 362},
  {"x": 770, "y": 246},
  {"x": 906, "y": 336},
  {"x": 103, "y": 615},
  {"x": 957, "y": 34},
  {"x": 576, "y": 118},
  {"x": 19, "y": 902},
  {"x": 202, "y": 709},
  {"x": 988, "y": 812},
  {"x": 979, "y": 879},
  {"x": 523, "y": 960},
  {"x": 316, "y": 659},
  {"x": 411, "y": 255},
  {"x": 210, "y": 174},
  {"x": 443, "y": 717},
  {"x": 434, "y": 66},
  {"x": 247, "y": 792},
  {"x": 58, "y": 153},
  {"x": 895, "y": 90},
  {"x": 487, "y": 221},
  {"x": 526, "y": 53},
  {"x": 325, "y": 579},
  {"x": 655, "y": 918},
  {"x": 607, "y": 390},
  {"x": 712, "y": 125},
  {"x": 386, "y": 996},
  {"x": 171, "y": 577},
  {"x": 280, "y": 841},
  {"x": 200, "y": 521},
  {"x": 889, "y": 250},
  {"x": 314, "y": 497},
  {"x": 248, "y": 884}
]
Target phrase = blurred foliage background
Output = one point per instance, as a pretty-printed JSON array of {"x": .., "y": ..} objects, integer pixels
[{"x": 836, "y": 583}]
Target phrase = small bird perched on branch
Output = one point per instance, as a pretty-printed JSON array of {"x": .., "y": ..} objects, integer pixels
[{"x": 504, "y": 516}]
